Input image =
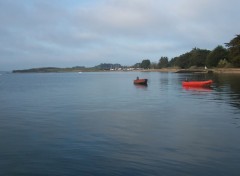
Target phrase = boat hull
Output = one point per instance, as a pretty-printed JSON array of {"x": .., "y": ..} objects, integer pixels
[
  {"x": 140, "y": 81},
  {"x": 207, "y": 83}
]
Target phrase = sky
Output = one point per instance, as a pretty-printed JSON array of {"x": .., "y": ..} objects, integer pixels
[{"x": 67, "y": 33}]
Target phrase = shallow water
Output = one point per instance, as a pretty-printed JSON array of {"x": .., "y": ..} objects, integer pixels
[{"x": 103, "y": 124}]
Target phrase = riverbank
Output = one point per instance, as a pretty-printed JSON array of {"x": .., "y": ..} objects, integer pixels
[
  {"x": 198, "y": 70},
  {"x": 227, "y": 70}
]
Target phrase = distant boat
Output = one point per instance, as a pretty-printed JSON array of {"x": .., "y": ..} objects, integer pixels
[
  {"x": 207, "y": 83},
  {"x": 140, "y": 81},
  {"x": 79, "y": 72}
]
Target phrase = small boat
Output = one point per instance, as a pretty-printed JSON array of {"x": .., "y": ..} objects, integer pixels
[
  {"x": 140, "y": 81},
  {"x": 207, "y": 83}
]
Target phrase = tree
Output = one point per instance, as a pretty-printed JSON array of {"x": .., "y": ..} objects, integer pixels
[
  {"x": 145, "y": 64},
  {"x": 213, "y": 58},
  {"x": 182, "y": 61},
  {"x": 154, "y": 65},
  {"x": 163, "y": 62},
  {"x": 236, "y": 61},
  {"x": 234, "y": 50},
  {"x": 223, "y": 63},
  {"x": 198, "y": 57},
  {"x": 137, "y": 65}
]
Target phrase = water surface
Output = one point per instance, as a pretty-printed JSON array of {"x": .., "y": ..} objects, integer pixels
[{"x": 102, "y": 124}]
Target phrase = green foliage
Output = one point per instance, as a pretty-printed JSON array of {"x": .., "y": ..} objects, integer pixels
[
  {"x": 163, "y": 62},
  {"x": 236, "y": 61},
  {"x": 198, "y": 57},
  {"x": 145, "y": 64},
  {"x": 213, "y": 58},
  {"x": 51, "y": 70},
  {"x": 154, "y": 65},
  {"x": 137, "y": 65},
  {"x": 234, "y": 46},
  {"x": 107, "y": 66},
  {"x": 223, "y": 63},
  {"x": 181, "y": 61},
  {"x": 173, "y": 62},
  {"x": 220, "y": 56},
  {"x": 234, "y": 50}
]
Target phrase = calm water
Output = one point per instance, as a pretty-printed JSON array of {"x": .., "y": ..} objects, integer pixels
[{"x": 102, "y": 124}]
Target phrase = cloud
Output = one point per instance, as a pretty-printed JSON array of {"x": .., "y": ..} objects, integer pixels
[{"x": 74, "y": 32}]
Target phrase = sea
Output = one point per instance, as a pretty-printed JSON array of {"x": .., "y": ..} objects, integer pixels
[{"x": 100, "y": 124}]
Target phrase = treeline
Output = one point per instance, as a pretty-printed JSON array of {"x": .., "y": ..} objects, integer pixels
[
  {"x": 219, "y": 57},
  {"x": 50, "y": 70},
  {"x": 107, "y": 66},
  {"x": 223, "y": 57}
]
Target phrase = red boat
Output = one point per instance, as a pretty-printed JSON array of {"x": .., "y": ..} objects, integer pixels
[
  {"x": 207, "y": 83},
  {"x": 140, "y": 81}
]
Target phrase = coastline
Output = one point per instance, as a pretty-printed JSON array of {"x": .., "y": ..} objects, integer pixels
[
  {"x": 198, "y": 70},
  {"x": 227, "y": 70},
  {"x": 163, "y": 70}
]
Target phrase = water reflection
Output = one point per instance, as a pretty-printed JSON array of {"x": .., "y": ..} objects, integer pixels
[
  {"x": 141, "y": 86},
  {"x": 198, "y": 89},
  {"x": 225, "y": 86},
  {"x": 228, "y": 86}
]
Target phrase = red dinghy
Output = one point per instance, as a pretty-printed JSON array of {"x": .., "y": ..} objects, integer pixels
[
  {"x": 207, "y": 83},
  {"x": 140, "y": 81}
]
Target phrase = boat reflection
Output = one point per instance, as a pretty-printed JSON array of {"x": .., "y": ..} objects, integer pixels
[
  {"x": 141, "y": 86},
  {"x": 198, "y": 89}
]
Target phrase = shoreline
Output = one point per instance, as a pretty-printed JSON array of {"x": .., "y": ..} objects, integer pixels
[
  {"x": 198, "y": 70},
  {"x": 163, "y": 70}
]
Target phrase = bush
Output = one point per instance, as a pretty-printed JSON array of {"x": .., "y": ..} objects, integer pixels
[
  {"x": 236, "y": 61},
  {"x": 223, "y": 63}
]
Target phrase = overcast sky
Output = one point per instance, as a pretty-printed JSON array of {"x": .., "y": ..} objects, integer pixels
[{"x": 66, "y": 33}]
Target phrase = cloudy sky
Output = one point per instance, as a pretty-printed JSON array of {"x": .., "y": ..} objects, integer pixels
[{"x": 66, "y": 33}]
